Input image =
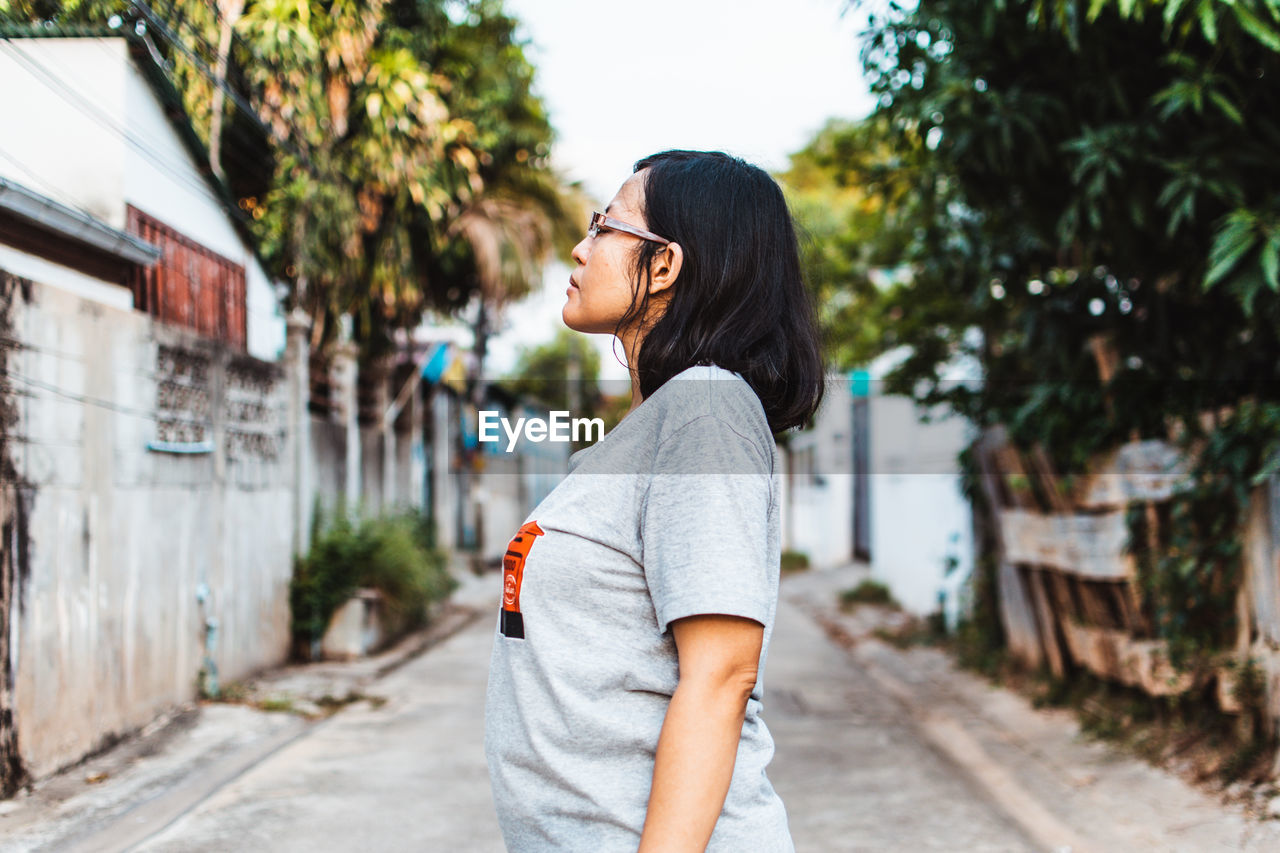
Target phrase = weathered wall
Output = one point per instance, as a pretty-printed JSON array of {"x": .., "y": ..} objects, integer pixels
[
  {"x": 151, "y": 506},
  {"x": 133, "y": 553},
  {"x": 13, "y": 526}
]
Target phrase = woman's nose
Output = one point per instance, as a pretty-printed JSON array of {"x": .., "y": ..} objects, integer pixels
[{"x": 579, "y": 252}]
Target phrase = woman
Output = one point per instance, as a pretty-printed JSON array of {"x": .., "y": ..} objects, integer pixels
[{"x": 624, "y": 699}]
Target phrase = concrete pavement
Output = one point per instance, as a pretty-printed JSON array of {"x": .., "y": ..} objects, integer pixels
[
  {"x": 851, "y": 768},
  {"x": 1064, "y": 790},
  {"x": 410, "y": 774}
]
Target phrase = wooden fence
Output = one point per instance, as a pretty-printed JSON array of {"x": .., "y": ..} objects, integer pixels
[{"x": 1069, "y": 595}]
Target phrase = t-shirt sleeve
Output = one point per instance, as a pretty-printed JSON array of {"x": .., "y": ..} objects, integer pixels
[{"x": 705, "y": 525}]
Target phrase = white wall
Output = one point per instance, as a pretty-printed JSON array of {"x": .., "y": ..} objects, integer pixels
[
  {"x": 62, "y": 106},
  {"x": 819, "y": 495},
  {"x": 266, "y": 323},
  {"x": 919, "y": 518},
  {"x": 85, "y": 286}
]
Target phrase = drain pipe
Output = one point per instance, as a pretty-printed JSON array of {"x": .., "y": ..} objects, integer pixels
[{"x": 208, "y": 681}]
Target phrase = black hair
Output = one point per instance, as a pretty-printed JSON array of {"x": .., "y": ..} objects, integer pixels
[{"x": 739, "y": 300}]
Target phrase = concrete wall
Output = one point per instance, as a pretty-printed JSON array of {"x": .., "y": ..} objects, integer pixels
[
  {"x": 154, "y": 486},
  {"x": 132, "y": 552},
  {"x": 919, "y": 517},
  {"x": 819, "y": 485}
]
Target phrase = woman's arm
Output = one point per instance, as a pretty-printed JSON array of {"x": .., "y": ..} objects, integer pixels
[{"x": 719, "y": 658}]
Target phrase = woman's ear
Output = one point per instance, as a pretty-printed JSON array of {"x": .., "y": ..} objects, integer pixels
[{"x": 665, "y": 268}]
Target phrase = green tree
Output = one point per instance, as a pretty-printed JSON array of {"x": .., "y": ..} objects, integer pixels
[
  {"x": 1066, "y": 186},
  {"x": 1090, "y": 188},
  {"x": 849, "y": 255}
]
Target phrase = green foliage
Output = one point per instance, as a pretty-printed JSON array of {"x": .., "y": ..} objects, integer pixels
[
  {"x": 564, "y": 374},
  {"x": 1191, "y": 576},
  {"x": 794, "y": 561},
  {"x": 556, "y": 371},
  {"x": 867, "y": 591},
  {"x": 1074, "y": 178},
  {"x": 841, "y": 208},
  {"x": 396, "y": 555},
  {"x": 1084, "y": 188}
]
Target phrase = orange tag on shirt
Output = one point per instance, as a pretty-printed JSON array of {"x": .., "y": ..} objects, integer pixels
[{"x": 512, "y": 621}]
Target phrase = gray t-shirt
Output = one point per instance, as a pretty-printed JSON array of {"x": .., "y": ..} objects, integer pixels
[{"x": 673, "y": 513}]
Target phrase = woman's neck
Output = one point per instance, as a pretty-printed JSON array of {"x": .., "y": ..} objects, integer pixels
[{"x": 631, "y": 345}]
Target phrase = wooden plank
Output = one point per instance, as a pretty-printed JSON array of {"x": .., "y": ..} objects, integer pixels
[
  {"x": 1047, "y": 623},
  {"x": 1158, "y": 677},
  {"x": 1088, "y": 546},
  {"x": 1062, "y": 594},
  {"x": 1016, "y": 612},
  {"x": 1150, "y": 470},
  {"x": 1017, "y": 615},
  {"x": 1262, "y": 559},
  {"x": 1050, "y": 484},
  {"x": 1017, "y": 481},
  {"x": 1126, "y": 604},
  {"x": 1113, "y": 655},
  {"x": 1097, "y": 609},
  {"x": 1094, "y": 649}
]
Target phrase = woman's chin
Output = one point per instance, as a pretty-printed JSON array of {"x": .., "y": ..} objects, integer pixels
[{"x": 573, "y": 321}]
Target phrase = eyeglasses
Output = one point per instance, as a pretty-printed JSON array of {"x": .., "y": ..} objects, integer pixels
[{"x": 600, "y": 222}]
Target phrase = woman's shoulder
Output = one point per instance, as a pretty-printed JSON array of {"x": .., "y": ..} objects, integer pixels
[{"x": 708, "y": 391}]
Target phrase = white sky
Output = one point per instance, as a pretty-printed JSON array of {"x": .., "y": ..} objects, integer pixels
[{"x": 623, "y": 80}]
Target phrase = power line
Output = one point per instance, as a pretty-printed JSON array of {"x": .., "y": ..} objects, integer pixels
[
  {"x": 79, "y": 398},
  {"x": 176, "y": 41},
  {"x": 55, "y": 192},
  {"x": 248, "y": 161},
  {"x": 59, "y": 87},
  {"x": 55, "y": 83}
]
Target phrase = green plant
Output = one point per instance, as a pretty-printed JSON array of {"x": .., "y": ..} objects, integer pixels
[
  {"x": 1191, "y": 576},
  {"x": 867, "y": 592},
  {"x": 929, "y": 631},
  {"x": 276, "y": 705},
  {"x": 794, "y": 561},
  {"x": 394, "y": 554},
  {"x": 1250, "y": 688}
]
